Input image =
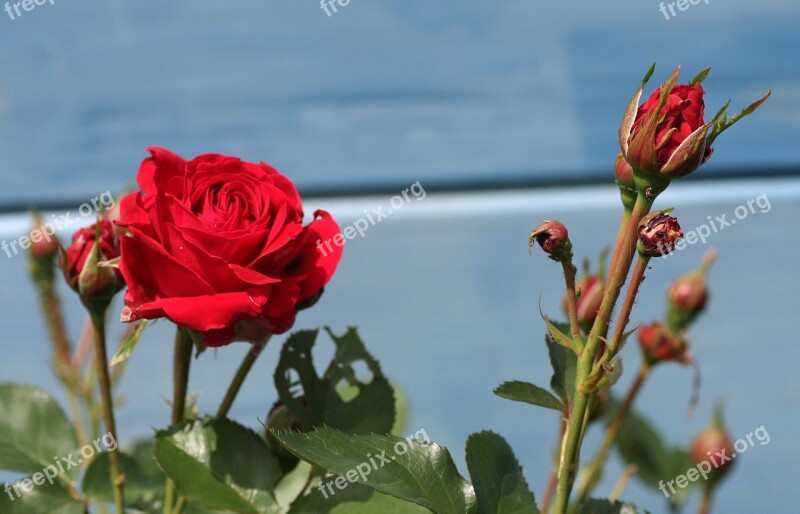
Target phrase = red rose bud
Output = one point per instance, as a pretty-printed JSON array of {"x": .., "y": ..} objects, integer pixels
[
  {"x": 658, "y": 234},
  {"x": 553, "y": 237},
  {"x": 688, "y": 295},
  {"x": 714, "y": 447},
  {"x": 660, "y": 345},
  {"x": 80, "y": 264},
  {"x": 665, "y": 138},
  {"x": 44, "y": 243},
  {"x": 590, "y": 296},
  {"x": 623, "y": 174}
]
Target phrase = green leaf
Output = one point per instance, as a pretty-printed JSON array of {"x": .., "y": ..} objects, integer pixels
[
  {"x": 700, "y": 77},
  {"x": 353, "y": 499},
  {"x": 497, "y": 477},
  {"x": 43, "y": 498},
  {"x": 34, "y": 432},
  {"x": 219, "y": 464},
  {"x": 608, "y": 507},
  {"x": 412, "y": 470},
  {"x": 564, "y": 363},
  {"x": 369, "y": 405},
  {"x": 557, "y": 335},
  {"x": 529, "y": 393},
  {"x": 142, "y": 488},
  {"x": 128, "y": 345}
]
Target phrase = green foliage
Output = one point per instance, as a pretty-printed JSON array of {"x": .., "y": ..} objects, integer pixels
[
  {"x": 220, "y": 465},
  {"x": 497, "y": 477},
  {"x": 317, "y": 401},
  {"x": 529, "y": 393},
  {"x": 34, "y": 430},
  {"x": 415, "y": 471}
]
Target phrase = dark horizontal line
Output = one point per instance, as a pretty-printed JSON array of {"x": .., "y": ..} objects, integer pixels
[{"x": 469, "y": 185}]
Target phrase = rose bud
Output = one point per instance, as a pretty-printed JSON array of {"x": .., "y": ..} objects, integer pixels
[
  {"x": 590, "y": 296},
  {"x": 623, "y": 174},
  {"x": 665, "y": 138},
  {"x": 714, "y": 447},
  {"x": 660, "y": 345},
  {"x": 44, "y": 243},
  {"x": 688, "y": 295},
  {"x": 553, "y": 237},
  {"x": 81, "y": 264},
  {"x": 658, "y": 233}
]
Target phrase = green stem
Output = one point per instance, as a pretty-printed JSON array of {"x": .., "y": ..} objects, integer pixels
[
  {"x": 104, "y": 381},
  {"x": 625, "y": 312},
  {"x": 238, "y": 380},
  {"x": 595, "y": 469},
  {"x": 572, "y": 303},
  {"x": 705, "y": 503},
  {"x": 180, "y": 373},
  {"x": 575, "y": 426}
]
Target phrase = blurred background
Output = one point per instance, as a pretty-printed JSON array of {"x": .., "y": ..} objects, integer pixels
[{"x": 506, "y": 113}]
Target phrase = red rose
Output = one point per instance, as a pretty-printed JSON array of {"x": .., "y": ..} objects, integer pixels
[
  {"x": 218, "y": 245},
  {"x": 682, "y": 115},
  {"x": 666, "y": 137},
  {"x": 74, "y": 257}
]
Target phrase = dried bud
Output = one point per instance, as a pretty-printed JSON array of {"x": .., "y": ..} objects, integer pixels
[
  {"x": 658, "y": 233},
  {"x": 553, "y": 237},
  {"x": 80, "y": 264},
  {"x": 714, "y": 447},
  {"x": 660, "y": 345},
  {"x": 590, "y": 296}
]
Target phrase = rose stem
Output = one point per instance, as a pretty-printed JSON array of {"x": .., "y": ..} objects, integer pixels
[
  {"x": 572, "y": 304},
  {"x": 104, "y": 381},
  {"x": 625, "y": 313},
  {"x": 180, "y": 374},
  {"x": 572, "y": 436},
  {"x": 238, "y": 379},
  {"x": 595, "y": 468},
  {"x": 622, "y": 483},
  {"x": 705, "y": 503},
  {"x": 551, "y": 484}
]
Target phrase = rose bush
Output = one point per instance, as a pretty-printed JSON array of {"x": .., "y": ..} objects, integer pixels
[{"x": 218, "y": 245}]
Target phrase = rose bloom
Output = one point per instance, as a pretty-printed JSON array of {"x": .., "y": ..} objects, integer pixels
[
  {"x": 218, "y": 245},
  {"x": 683, "y": 113}
]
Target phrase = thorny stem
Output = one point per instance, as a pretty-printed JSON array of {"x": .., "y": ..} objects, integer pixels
[{"x": 575, "y": 427}]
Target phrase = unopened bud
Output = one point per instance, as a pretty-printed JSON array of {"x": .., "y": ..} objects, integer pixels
[
  {"x": 80, "y": 263},
  {"x": 660, "y": 345},
  {"x": 688, "y": 295},
  {"x": 714, "y": 447}
]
